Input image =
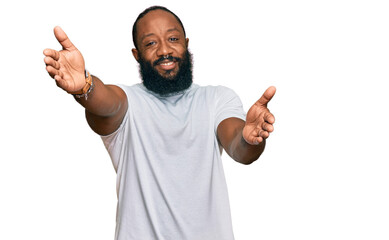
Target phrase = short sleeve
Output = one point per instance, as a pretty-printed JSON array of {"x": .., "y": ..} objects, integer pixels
[{"x": 228, "y": 105}]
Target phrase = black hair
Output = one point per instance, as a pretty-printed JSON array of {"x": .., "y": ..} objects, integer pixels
[{"x": 142, "y": 14}]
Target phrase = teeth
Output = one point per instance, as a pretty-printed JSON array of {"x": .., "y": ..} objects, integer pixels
[{"x": 167, "y": 64}]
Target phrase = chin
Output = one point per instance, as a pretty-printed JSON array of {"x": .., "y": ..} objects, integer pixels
[{"x": 169, "y": 74}]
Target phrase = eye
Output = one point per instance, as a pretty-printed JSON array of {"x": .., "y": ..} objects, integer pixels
[
  {"x": 173, "y": 39},
  {"x": 151, "y": 43}
]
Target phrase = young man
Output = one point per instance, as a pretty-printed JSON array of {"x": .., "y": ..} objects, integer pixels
[{"x": 165, "y": 135}]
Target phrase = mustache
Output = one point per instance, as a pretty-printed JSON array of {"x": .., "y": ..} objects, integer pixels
[{"x": 170, "y": 58}]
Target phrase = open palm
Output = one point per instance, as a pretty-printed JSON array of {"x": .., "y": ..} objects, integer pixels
[
  {"x": 259, "y": 120},
  {"x": 67, "y": 66}
]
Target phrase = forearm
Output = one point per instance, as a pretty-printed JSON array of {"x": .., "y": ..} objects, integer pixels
[
  {"x": 103, "y": 100},
  {"x": 243, "y": 152},
  {"x": 230, "y": 135},
  {"x": 105, "y": 107}
]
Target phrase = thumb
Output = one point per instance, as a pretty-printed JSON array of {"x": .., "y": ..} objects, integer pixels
[
  {"x": 267, "y": 96},
  {"x": 63, "y": 39}
]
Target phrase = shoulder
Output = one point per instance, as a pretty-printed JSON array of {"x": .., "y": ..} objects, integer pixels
[
  {"x": 222, "y": 92},
  {"x": 215, "y": 94},
  {"x": 135, "y": 92},
  {"x": 130, "y": 88}
]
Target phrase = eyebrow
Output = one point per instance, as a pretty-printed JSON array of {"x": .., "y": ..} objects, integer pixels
[
  {"x": 147, "y": 35},
  {"x": 173, "y": 29},
  {"x": 151, "y": 34}
]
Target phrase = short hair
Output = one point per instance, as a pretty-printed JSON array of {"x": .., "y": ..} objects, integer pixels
[{"x": 142, "y": 14}]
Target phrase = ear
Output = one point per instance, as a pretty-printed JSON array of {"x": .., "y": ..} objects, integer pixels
[
  {"x": 135, "y": 53},
  {"x": 187, "y": 42}
]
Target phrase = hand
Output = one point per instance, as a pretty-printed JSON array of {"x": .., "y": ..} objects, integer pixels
[
  {"x": 259, "y": 120},
  {"x": 67, "y": 66}
]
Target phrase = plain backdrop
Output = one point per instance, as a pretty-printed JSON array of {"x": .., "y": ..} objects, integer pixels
[{"x": 324, "y": 173}]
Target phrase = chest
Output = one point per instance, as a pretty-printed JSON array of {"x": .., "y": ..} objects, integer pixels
[{"x": 176, "y": 120}]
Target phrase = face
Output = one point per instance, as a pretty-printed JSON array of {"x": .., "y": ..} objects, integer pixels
[
  {"x": 163, "y": 86},
  {"x": 159, "y": 34}
]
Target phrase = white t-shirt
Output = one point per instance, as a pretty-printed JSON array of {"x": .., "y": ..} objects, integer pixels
[{"x": 170, "y": 179}]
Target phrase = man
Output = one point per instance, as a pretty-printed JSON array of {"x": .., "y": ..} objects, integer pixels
[{"x": 165, "y": 135}]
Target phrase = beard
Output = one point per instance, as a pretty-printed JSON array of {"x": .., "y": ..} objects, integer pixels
[{"x": 172, "y": 84}]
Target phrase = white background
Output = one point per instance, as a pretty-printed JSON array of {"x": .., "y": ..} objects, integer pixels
[{"x": 324, "y": 174}]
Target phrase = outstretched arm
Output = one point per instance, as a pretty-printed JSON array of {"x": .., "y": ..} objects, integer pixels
[
  {"x": 105, "y": 106},
  {"x": 245, "y": 141}
]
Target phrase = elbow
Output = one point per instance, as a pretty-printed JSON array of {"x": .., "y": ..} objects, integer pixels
[
  {"x": 244, "y": 153},
  {"x": 247, "y": 160},
  {"x": 248, "y": 157}
]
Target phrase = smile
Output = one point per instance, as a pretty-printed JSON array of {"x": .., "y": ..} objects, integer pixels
[{"x": 167, "y": 65}]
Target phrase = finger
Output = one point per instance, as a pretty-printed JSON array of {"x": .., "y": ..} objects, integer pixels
[
  {"x": 255, "y": 140},
  {"x": 258, "y": 140},
  {"x": 54, "y": 72},
  {"x": 264, "y": 134},
  {"x": 251, "y": 138},
  {"x": 261, "y": 132},
  {"x": 267, "y": 96},
  {"x": 58, "y": 79},
  {"x": 51, "y": 53},
  {"x": 63, "y": 39},
  {"x": 51, "y": 62},
  {"x": 268, "y": 117},
  {"x": 267, "y": 127}
]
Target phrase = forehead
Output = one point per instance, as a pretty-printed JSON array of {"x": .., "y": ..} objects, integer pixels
[{"x": 157, "y": 22}]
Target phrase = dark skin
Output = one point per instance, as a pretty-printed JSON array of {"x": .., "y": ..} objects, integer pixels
[{"x": 159, "y": 34}]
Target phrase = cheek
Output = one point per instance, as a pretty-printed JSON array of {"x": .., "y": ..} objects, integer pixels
[
  {"x": 148, "y": 55},
  {"x": 181, "y": 52}
]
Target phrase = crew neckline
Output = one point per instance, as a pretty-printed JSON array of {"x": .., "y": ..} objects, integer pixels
[{"x": 182, "y": 92}]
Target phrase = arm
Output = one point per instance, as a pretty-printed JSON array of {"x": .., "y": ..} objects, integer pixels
[
  {"x": 105, "y": 108},
  {"x": 244, "y": 141},
  {"x": 106, "y": 105}
]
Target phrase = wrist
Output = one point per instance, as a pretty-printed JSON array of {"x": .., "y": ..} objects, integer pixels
[{"x": 88, "y": 87}]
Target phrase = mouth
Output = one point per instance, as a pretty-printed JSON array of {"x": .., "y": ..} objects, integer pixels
[{"x": 167, "y": 65}]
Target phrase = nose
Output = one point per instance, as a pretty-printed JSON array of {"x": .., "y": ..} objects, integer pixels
[{"x": 164, "y": 49}]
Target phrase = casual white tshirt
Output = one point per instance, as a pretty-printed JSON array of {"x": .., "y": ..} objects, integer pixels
[{"x": 170, "y": 179}]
